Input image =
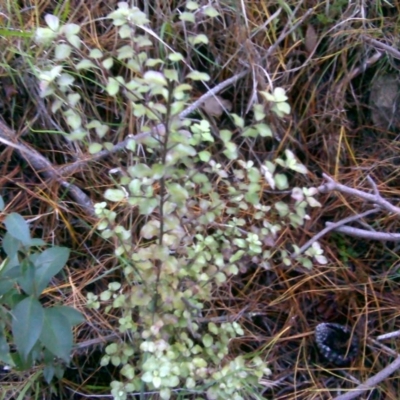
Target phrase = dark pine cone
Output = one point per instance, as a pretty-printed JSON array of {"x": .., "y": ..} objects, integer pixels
[{"x": 336, "y": 343}]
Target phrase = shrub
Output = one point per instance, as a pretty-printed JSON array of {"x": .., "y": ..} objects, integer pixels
[
  {"x": 185, "y": 206},
  {"x": 40, "y": 334}
]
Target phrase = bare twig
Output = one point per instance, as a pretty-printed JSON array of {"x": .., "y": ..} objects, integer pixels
[
  {"x": 389, "y": 335},
  {"x": 371, "y": 382},
  {"x": 375, "y": 198},
  {"x": 382, "y": 46},
  {"x": 43, "y": 166},
  {"x": 364, "y": 234},
  {"x": 332, "y": 226},
  {"x": 286, "y": 32}
]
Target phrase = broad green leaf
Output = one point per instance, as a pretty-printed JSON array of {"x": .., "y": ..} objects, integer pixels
[
  {"x": 11, "y": 245},
  {"x": 27, "y": 324},
  {"x": 49, "y": 263},
  {"x": 27, "y": 279},
  {"x": 5, "y": 356},
  {"x": 57, "y": 337},
  {"x": 48, "y": 373},
  {"x": 18, "y": 228},
  {"x": 74, "y": 316}
]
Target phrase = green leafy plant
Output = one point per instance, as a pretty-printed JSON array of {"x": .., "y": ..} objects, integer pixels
[
  {"x": 38, "y": 333},
  {"x": 191, "y": 237}
]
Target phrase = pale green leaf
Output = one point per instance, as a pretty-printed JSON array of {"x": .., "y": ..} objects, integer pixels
[
  {"x": 283, "y": 107},
  {"x": 52, "y": 21},
  {"x": 280, "y": 94},
  {"x": 74, "y": 40},
  {"x": 112, "y": 86},
  {"x": 114, "y": 194},
  {"x": 264, "y": 130},
  {"x": 95, "y": 148},
  {"x": 155, "y": 77},
  {"x": 84, "y": 64},
  {"x": 125, "y": 52},
  {"x": 198, "y": 76},
  {"x": 71, "y": 29},
  {"x": 210, "y": 11},
  {"x": 62, "y": 51},
  {"x": 95, "y": 53},
  {"x": 73, "y": 99},
  {"x": 238, "y": 121},
  {"x": 73, "y": 119},
  {"x": 199, "y": 39},
  {"x": 281, "y": 181},
  {"x": 187, "y": 16},
  {"x": 108, "y": 63},
  {"x": 192, "y": 5},
  {"x": 175, "y": 57}
]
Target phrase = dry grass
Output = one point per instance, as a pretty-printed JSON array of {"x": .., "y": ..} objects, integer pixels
[{"x": 330, "y": 130}]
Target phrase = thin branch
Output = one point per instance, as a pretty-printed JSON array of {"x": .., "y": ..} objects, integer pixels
[
  {"x": 382, "y": 46},
  {"x": 389, "y": 335},
  {"x": 285, "y": 33},
  {"x": 375, "y": 198},
  {"x": 331, "y": 226},
  {"x": 364, "y": 234},
  {"x": 371, "y": 382},
  {"x": 43, "y": 166}
]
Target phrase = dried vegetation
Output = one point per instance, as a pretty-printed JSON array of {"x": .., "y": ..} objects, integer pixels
[{"x": 327, "y": 55}]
